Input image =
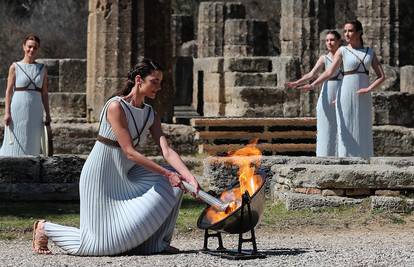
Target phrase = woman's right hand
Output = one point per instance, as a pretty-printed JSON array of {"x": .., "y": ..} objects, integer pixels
[
  {"x": 174, "y": 179},
  {"x": 291, "y": 84},
  {"x": 7, "y": 119}
]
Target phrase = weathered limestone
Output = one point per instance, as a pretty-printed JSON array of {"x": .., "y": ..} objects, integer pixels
[
  {"x": 66, "y": 106},
  {"x": 392, "y": 78},
  {"x": 393, "y": 140},
  {"x": 117, "y": 35},
  {"x": 211, "y": 20},
  {"x": 299, "y": 32},
  {"x": 208, "y": 86},
  {"x": 67, "y": 88},
  {"x": 406, "y": 80},
  {"x": 348, "y": 177},
  {"x": 296, "y": 201},
  {"x": 393, "y": 108},
  {"x": 381, "y": 28},
  {"x": 50, "y": 179},
  {"x": 310, "y": 182},
  {"x": 72, "y": 75},
  {"x": 392, "y": 204},
  {"x": 245, "y": 37},
  {"x": 109, "y": 51}
]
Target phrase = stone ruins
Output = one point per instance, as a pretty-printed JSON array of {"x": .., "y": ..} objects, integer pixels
[{"x": 226, "y": 65}]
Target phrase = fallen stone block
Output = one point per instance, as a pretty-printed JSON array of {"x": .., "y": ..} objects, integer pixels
[
  {"x": 387, "y": 193},
  {"x": 296, "y": 201},
  {"x": 392, "y": 204}
]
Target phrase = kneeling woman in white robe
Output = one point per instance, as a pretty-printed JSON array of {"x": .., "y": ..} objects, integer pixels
[{"x": 127, "y": 201}]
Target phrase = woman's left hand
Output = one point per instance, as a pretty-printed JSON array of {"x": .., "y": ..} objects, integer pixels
[
  {"x": 306, "y": 87},
  {"x": 363, "y": 91},
  {"x": 193, "y": 181}
]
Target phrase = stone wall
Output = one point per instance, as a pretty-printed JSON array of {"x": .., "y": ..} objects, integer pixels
[
  {"x": 61, "y": 26},
  {"x": 52, "y": 178},
  {"x": 67, "y": 89}
]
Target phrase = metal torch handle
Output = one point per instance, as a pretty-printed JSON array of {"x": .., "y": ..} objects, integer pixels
[{"x": 206, "y": 197}]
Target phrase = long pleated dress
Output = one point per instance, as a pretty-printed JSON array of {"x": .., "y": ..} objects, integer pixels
[
  {"x": 326, "y": 138},
  {"x": 354, "y": 111},
  {"x": 123, "y": 207},
  {"x": 25, "y": 130}
]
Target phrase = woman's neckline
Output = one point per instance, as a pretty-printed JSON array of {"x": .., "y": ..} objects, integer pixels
[
  {"x": 358, "y": 48},
  {"x": 34, "y": 63},
  {"x": 129, "y": 103}
]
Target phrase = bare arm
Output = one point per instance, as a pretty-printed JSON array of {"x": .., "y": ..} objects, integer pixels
[
  {"x": 327, "y": 73},
  {"x": 318, "y": 66},
  {"x": 116, "y": 117},
  {"x": 45, "y": 98},
  {"x": 11, "y": 79},
  {"x": 169, "y": 154},
  {"x": 380, "y": 77}
]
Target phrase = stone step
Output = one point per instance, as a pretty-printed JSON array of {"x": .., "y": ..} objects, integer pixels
[
  {"x": 184, "y": 114},
  {"x": 235, "y": 79},
  {"x": 248, "y": 64},
  {"x": 320, "y": 177},
  {"x": 54, "y": 178},
  {"x": 67, "y": 105},
  {"x": 79, "y": 138}
]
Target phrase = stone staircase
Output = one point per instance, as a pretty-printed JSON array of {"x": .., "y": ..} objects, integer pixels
[
  {"x": 67, "y": 89},
  {"x": 281, "y": 136},
  {"x": 184, "y": 114}
]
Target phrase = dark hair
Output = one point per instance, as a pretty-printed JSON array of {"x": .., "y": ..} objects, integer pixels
[
  {"x": 358, "y": 27},
  {"x": 32, "y": 37},
  {"x": 334, "y": 33},
  {"x": 143, "y": 68}
]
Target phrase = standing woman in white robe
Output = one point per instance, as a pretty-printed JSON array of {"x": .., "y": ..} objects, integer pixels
[
  {"x": 26, "y": 99},
  {"x": 354, "y": 101},
  {"x": 326, "y": 138}
]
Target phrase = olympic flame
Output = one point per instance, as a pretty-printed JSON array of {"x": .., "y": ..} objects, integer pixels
[{"x": 248, "y": 159}]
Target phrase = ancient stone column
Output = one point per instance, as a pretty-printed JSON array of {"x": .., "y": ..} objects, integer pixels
[
  {"x": 109, "y": 51},
  {"x": 211, "y": 19},
  {"x": 299, "y": 32},
  {"x": 245, "y": 37},
  {"x": 119, "y": 31},
  {"x": 381, "y": 26}
]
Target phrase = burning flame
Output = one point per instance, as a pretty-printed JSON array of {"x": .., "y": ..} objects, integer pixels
[{"x": 248, "y": 159}]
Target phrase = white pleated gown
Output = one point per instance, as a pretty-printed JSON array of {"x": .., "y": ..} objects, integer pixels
[
  {"x": 27, "y": 114},
  {"x": 123, "y": 207},
  {"x": 354, "y": 111},
  {"x": 326, "y": 138}
]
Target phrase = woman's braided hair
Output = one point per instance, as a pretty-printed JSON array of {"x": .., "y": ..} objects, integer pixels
[{"x": 143, "y": 68}]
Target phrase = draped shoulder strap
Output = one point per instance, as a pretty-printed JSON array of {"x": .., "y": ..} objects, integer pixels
[{"x": 31, "y": 81}]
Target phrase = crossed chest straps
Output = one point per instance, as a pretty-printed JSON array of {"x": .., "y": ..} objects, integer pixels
[
  {"x": 115, "y": 143},
  {"x": 337, "y": 77},
  {"x": 361, "y": 62},
  {"x": 31, "y": 81}
]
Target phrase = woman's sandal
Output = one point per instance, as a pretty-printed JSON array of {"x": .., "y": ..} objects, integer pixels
[{"x": 40, "y": 240}]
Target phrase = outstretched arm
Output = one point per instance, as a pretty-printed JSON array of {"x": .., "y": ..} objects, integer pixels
[
  {"x": 116, "y": 117},
  {"x": 11, "y": 79},
  {"x": 318, "y": 66},
  {"x": 327, "y": 73},
  {"x": 380, "y": 77},
  {"x": 170, "y": 155},
  {"x": 45, "y": 98}
]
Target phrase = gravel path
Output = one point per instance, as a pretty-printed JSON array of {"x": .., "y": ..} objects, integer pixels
[{"x": 382, "y": 247}]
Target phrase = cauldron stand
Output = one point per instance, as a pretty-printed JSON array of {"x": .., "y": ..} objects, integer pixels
[{"x": 240, "y": 254}]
